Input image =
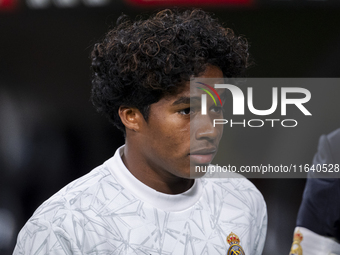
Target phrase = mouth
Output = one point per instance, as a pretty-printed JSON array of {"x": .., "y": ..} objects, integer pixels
[{"x": 202, "y": 156}]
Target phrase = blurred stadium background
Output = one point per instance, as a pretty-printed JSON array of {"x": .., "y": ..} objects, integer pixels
[{"x": 50, "y": 134}]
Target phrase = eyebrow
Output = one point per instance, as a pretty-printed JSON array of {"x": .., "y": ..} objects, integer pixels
[
  {"x": 223, "y": 96},
  {"x": 185, "y": 100}
]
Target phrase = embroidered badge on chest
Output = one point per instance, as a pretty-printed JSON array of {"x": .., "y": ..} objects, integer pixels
[
  {"x": 296, "y": 247},
  {"x": 235, "y": 247}
]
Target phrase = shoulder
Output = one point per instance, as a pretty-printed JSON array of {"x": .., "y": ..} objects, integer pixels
[
  {"x": 328, "y": 148},
  {"x": 39, "y": 235},
  {"x": 87, "y": 193},
  {"x": 327, "y": 155},
  {"x": 61, "y": 219},
  {"x": 334, "y": 136}
]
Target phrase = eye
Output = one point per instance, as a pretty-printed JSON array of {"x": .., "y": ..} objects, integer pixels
[
  {"x": 217, "y": 109},
  {"x": 185, "y": 111}
]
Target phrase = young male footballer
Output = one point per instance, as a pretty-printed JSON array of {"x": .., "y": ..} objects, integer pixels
[{"x": 142, "y": 200}]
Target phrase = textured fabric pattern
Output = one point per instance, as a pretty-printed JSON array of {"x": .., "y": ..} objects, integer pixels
[{"x": 95, "y": 214}]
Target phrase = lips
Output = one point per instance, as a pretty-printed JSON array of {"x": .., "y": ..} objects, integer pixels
[{"x": 202, "y": 156}]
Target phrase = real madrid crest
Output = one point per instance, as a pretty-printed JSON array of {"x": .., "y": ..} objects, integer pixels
[
  {"x": 235, "y": 247},
  {"x": 296, "y": 247}
]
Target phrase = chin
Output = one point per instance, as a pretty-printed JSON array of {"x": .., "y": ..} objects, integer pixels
[
  {"x": 194, "y": 173},
  {"x": 185, "y": 172}
]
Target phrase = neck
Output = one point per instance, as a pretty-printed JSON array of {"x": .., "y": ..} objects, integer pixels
[{"x": 155, "y": 177}]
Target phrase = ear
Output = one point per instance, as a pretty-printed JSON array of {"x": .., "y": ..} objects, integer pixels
[{"x": 131, "y": 117}]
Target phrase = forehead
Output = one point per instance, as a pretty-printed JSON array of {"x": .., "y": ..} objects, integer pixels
[
  {"x": 198, "y": 85},
  {"x": 192, "y": 93}
]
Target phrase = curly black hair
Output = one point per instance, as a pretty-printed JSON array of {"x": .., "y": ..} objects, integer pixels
[{"x": 140, "y": 62}]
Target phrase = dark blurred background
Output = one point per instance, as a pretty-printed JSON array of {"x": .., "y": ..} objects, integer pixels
[{"x": 50, "y": 133}]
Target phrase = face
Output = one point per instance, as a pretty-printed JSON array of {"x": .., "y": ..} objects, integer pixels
[{"x": 177, "y": 137}]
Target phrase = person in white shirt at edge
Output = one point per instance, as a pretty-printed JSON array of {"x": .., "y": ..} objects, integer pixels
[
  {"x": 317, "y": 229},
  {"x": 142, "y": 200}
]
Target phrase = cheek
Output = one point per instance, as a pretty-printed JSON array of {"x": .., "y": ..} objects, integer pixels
[
  {"x": 173, "y": 133},
  {"x": 174, "y": 126},
  {"x": 220, "y": 130}
]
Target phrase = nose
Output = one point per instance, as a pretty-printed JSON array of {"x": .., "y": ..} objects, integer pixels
[{"x": 206, "y": 130}]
